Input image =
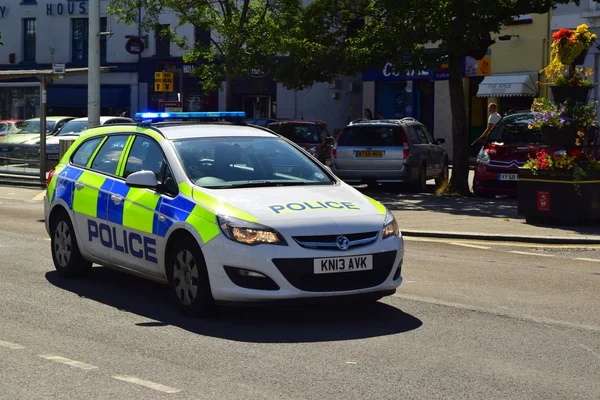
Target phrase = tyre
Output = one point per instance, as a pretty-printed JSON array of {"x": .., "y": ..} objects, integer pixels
[
  {"x": 420, "y": 185},
  {"x": 443, "y": 177},
  {"x": 66, "y": 256},
  {"x": 188, "y": 279}
]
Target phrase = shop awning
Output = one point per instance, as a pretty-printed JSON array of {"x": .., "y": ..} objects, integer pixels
[{"x": 504, "y": 85}]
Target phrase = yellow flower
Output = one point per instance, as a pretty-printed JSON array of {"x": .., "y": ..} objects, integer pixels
[{"x": 582, "y": 28}]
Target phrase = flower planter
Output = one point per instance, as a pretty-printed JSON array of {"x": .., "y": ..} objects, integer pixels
[
  {"x": 551, "y": 199},
  {"x": 580, "y": 59},
  {"x": 572, "y": 94},
  {"x": 564, "y": 137}
]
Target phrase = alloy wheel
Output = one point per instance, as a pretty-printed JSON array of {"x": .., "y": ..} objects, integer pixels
[
  {"x": 63, "y": 244},
  {"x": 185, "y": 277}
]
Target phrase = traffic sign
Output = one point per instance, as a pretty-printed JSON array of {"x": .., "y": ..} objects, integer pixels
[{"x": 163, "y": 82}]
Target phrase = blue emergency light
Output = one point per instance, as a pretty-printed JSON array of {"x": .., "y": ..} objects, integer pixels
[{"x": 189, "y": 115}]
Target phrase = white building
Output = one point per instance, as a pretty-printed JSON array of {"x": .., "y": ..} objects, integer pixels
[{"x": 37, "y": 34}]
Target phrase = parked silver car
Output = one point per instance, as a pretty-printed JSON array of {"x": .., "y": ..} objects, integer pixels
[{"x": 380, "y": 151}]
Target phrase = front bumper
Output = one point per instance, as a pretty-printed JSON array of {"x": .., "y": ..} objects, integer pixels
[
  {"x": 290, "y": 268},
  {"x": 405, "y": 174}
]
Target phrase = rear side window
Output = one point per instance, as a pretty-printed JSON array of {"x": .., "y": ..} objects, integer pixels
[
  {"x": 371, "y": 136},
  {"x": 109, "y": 155},
  {"x": 82, "y": 155},
  {"x": 299, "y": 133}
]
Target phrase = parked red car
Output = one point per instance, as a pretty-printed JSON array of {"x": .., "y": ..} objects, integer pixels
[
  {"x": 311, "y": 135},
  {"x": 507, "y": 148}
]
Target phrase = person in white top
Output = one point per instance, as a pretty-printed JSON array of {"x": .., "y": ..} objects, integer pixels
[{"x": 492, "y": 120}]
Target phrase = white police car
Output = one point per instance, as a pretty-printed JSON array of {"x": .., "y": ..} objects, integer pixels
[{"x": 222, "y": 212}]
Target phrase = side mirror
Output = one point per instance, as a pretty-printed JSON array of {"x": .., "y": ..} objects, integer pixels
[
  {"x": 440, "y": 141},
  {"x": 142, "y": 180}
]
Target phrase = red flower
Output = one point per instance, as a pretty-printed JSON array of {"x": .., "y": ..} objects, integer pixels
[
  {"x": 575, "y": 153},
  {"x": 562, "y": 33}
]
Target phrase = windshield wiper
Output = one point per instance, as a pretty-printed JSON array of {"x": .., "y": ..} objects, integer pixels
[{"x": 259, "y": 184}]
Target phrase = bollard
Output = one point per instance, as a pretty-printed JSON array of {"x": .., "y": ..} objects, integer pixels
[{"x": 63, "y": 146}]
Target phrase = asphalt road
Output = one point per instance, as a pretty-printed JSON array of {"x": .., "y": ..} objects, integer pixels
[{"x": 481, "y": 322}]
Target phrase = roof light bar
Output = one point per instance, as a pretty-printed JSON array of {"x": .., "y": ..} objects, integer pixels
[{"x": 189, "y": 115}]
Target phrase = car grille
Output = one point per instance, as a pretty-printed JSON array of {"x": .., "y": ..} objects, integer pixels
[
  {"x": 300, "y": 273},
  {"x": 329, "y": 242}
]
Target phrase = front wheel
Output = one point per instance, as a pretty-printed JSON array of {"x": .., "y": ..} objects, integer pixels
[
  {"x": 66, "y": 256},
  {"x": 188, "y": 278}
]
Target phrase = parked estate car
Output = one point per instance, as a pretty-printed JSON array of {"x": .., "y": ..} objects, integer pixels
[
  {"x": 10, "y": 145},
  {"x": 506, "y": 149},
  {"x": 8, "y": 126},
  {"x": 311, "y": 135},
  {"x": 382, "y": 151}
]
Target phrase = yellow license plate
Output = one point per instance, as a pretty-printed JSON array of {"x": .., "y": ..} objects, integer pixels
[{"x": 370, "y": 154}]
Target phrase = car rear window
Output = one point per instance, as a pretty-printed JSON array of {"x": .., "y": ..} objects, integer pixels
[
  {"x": 301, "y": 133},
  {"x": 515, "y": 129},
  {"x": 371, "y": 136}
]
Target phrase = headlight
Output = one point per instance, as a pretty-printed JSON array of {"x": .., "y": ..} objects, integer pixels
[
  {"x": 390, "y": 226},
  {"x": 483, "y": 157},
  {"x": 249, "y": 233}
]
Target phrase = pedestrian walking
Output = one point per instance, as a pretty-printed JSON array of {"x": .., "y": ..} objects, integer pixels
[{"x": 492, "y": 121}]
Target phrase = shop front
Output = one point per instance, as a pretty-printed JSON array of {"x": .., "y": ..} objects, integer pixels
[{"x": 256, "y": 95}]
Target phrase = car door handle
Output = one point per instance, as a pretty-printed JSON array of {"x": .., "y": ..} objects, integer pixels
[
  {"x": 116, "y": 199},
  {"x": 78, "y": 185},
  {"x": 161, "y": 217}
]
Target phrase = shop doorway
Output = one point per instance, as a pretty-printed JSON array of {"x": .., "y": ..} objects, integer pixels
[{"x": 257, "y": 106}]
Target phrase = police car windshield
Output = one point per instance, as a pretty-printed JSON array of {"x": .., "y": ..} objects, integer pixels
[{"x": 236, "y": 162}]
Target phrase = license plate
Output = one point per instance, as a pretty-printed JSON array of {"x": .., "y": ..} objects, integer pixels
[
  {"x": 370, "y": 154},
  {"x": 508, "y": 177},
  {"x": 343, "y": 264}
]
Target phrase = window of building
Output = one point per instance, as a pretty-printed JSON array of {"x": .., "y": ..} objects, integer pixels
[
  {"x": 201, "y": 37},
  {"x": 28, "y": 2},
  {"x": 163, "y": 44},
  {"x": 29, "y": 39},
  {"x": 79, "y": 33}
]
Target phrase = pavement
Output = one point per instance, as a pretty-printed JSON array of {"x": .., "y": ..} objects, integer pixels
[{"x": 423, "y": 215}]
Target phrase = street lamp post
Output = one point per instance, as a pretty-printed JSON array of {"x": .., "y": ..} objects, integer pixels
[{"x": 94, "y": 64}]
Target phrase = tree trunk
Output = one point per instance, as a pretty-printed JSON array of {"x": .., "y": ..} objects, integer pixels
[
  {"x": 229, "y": 95},
  {"x": 460, "y": 136}
]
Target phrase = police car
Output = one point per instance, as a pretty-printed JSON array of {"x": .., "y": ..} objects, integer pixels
[{"x": 223, "y": 212}]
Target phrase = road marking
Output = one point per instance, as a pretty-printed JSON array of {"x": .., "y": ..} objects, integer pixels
[
  {"x": 39, "y": 197},
  {"x": 531, "y": 254},
  {"x": 588, "y": 259},
  {"x": 470, "y": 245},
  {"x": 148, "y": 384},
  {"x": 63, "y": 360},
  {"x": 12, "y": 346}
]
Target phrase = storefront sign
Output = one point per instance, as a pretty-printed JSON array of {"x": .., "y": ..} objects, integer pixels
[
  {"x": 500, "y": 88},
  {"x": 2, "y": 11},
  {"x": 68, "y": 8},
  {"x": 135, "y": 46},
  {"x": 163, "y": 82},
  {"x": 170, "y": 106},
  {"x": 257, "y": 73},
  {"x": 481, "y": 67}
]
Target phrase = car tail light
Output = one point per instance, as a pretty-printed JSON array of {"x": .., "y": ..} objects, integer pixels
[
  {"x": 404, "y": 143},
  {"x": 50, "y": 175},
  {"x": 333, "y": 153}
]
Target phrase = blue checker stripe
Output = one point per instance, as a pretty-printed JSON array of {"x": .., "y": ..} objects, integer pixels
[
  {"x": 162, "y": 227},
  {"x": 65, "y": 185},
  {"x": 180, "y": 203},
  {"x": 115, "y": 212},
  {"x": 103, "y": 195},
  {"x": 71, "y": 173},
  {"x": 177, "y": 209}
]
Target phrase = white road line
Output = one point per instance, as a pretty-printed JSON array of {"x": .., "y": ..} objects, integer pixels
[
  {"x": 39, "y": 197},
  {"x": 148, "y": 384},
  {"x": 531, "y": 254},
  {"x": 470, "y": 245},
  {"x": 63, "y": 360},
  {"x": 12, "y": 346},
  {"x": 588, "y": 259}
]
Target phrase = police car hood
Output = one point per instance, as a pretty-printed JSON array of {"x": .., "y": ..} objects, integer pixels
[{"x": 286, "y": 206}]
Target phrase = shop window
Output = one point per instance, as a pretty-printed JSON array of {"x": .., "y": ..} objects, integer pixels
[
  {"x": 163, "y": 43},
  {"x": 201, "y": 37},
  {"x": 29, "y": 39},
  {"x": 80, "y": 28}
]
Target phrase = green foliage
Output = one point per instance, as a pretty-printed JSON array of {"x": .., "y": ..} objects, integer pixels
[{"x": 246, "y": 34}]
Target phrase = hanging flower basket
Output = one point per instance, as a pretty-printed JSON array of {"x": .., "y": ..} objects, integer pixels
[{"x": 570, "y": 94}]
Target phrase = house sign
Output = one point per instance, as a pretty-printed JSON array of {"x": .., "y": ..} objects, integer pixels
[
  {"x": 500, "y": 87},
  {"x": 2, "y": 11},
  {"x": 67, "y": 8}
]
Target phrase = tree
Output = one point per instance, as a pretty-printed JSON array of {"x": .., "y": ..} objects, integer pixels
[
  {"x": 395, "y": 29},
  {"x": 240, "y": 36}
]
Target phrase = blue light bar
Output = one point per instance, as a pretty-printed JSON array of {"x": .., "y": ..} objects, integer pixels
[{"x": 190, "y": 115}]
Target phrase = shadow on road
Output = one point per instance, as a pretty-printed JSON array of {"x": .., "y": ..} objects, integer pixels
[{"x": 259, "y": 325}]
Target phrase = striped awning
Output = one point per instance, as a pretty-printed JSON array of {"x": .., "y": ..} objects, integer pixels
[{"x": 505, "y": 85}]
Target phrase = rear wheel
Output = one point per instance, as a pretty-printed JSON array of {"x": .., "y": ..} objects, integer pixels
[
  {"x": 66, "y": 256},
  {"x": 420, "y": 185},
  {"x": 188, "y": 279}
]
